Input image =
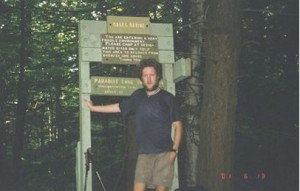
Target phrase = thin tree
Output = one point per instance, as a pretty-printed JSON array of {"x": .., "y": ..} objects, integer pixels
[
  {"x": 22, "y": 89},
  {"x": 193, "y": 21}
]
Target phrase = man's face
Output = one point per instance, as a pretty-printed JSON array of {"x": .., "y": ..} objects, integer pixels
[{"x": 150, "y": 79}]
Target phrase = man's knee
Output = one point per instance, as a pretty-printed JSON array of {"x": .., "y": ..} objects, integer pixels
[
  {"x": 139, "y": 186},
  {"x": 161, "y": 188}
]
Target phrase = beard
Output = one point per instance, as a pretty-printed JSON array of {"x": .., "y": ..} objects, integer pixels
[{"x": 152, "y": 88}]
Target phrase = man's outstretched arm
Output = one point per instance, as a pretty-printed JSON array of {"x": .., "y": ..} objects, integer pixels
[{"x": 110, "y": 108}]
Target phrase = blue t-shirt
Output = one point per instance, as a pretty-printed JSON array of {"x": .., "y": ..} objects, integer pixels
[{"x": 154, "y": 117}]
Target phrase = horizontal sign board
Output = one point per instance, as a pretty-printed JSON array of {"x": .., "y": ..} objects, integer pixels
[
  {"x": 116, "y": 86},
  {"x": 128, "y": 25},
  {"x": 182, "y": 69},
  {"x": 128, "y": 49}
]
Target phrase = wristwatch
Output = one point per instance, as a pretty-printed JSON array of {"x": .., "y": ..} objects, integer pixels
[{"x": 174, "y": 150}]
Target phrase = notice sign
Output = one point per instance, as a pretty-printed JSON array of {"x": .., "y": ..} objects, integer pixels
[
  {"x": 128, "y": 49},
  {"x": 115, "y": 86}
]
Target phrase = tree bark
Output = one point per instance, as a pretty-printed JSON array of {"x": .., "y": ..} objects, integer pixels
[
  {"x": 193, "y": 13},
  {"x": 218, "y": 112},
  {"x": 22, "y": 89}
]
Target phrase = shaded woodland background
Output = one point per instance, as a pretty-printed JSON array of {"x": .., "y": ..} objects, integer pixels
[{"x": 39, "y": 99}]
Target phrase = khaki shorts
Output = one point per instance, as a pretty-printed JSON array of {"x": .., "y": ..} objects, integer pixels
[{"x": 154, "y": 169}]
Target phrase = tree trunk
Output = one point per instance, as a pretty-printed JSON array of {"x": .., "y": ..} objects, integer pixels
[
  {"x": 218, "y": 112},
  {"x": 193, "y": 13},
  {"x": 22, "y": 89}
]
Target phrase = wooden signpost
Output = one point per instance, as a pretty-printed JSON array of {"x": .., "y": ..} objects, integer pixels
[{"x": 121, "y": 40}]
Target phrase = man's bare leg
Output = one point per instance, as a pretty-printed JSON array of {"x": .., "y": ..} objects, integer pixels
[
  {"x": 161, "y": 188},
  {"x": 139, "y": 186}
]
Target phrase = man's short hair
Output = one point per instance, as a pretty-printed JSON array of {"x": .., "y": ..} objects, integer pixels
[{"x": 150, "y": 62}]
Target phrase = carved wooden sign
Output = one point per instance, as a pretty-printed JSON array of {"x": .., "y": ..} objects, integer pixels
[{"x": 116, "y": 86}]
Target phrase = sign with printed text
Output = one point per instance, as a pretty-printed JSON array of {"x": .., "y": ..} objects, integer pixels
[
  {"x": 116, "y": 86},
  {"x": 128, "y": 49},
  {"x": 128, "y": 25}
]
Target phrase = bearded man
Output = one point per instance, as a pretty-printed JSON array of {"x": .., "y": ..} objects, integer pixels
[{"x": 156, "y": 113}]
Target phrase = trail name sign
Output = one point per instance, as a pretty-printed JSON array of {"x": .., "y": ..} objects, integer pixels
[
  {"x": 128, "y": 25},
  {"x": 120, "y": 40},
  {"x": 116, "y": 86}
]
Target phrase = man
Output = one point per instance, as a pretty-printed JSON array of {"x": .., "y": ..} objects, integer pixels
[{"x": 156, "y": 112}]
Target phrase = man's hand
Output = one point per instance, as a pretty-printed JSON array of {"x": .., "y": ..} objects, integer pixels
[
  {"x": 173, "y": 156},
  {"x": 89, "y": 104}
]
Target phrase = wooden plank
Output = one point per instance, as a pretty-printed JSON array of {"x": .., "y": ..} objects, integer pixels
[
  {"x": 182, "y": 69},
  {"x": 167, "y": 69},
  {"x": 90, "y": 40},
  {"x": 87, "y": 27},
  {"x": 166, "y": 56},
  {"x": 116, "y": 86},
  {"x": 128, "y": 25},
  {"x": 161, "y": 29},
  {"x": 165, "y": 43},
  {"x": 91, "y": 54},
  {"x": 128, "y": 49}
]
